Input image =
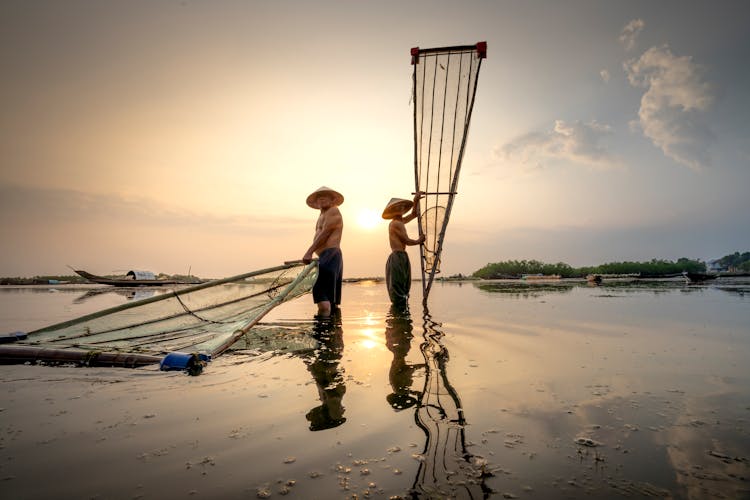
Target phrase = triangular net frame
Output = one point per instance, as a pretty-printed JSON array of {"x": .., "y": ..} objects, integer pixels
[{"x": 444, "y": 88}]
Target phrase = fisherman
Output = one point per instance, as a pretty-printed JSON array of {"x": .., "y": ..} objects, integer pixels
[
  {"x": 398, "y": 267},
  {"x": 326, "y": 244}
]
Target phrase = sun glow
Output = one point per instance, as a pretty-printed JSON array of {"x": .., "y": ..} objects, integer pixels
[
  {"x": 368, "y": 219},
  {"x": 370, "y": 338}
]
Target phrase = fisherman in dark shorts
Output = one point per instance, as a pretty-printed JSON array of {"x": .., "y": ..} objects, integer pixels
[
  {"x": 327, "y": 245},
  {"x": 398, "y": 267}
]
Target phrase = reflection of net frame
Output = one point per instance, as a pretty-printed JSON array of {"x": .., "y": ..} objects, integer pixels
[
  {"x": 447, "y": 469},
  {"x": 444, "y": 87}
]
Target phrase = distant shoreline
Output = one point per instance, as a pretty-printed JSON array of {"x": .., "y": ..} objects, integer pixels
[{"x": 39, "y": 282}]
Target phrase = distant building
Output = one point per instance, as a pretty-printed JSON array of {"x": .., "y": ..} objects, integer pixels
[{"x": 714, "y": 266}]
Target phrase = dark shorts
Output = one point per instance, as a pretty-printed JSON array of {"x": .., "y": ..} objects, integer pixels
[
  {"x": 330, "y": 272},
  {"x": 398, "y": 277}
]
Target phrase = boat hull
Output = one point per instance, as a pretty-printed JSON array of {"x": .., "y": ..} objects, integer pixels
[{"x": 123, "y": 282}]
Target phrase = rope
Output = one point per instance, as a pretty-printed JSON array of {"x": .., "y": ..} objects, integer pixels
[{"x": 206, "y": 320}]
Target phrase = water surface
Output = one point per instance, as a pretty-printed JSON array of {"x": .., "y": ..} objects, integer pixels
[{"x": 499, "y": 389}]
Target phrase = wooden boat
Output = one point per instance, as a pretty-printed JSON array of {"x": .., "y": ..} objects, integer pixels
[
  {"x": 651, "y": 276},
  {"x": 698, "y": 277},
  {"x": 133, "y": 278},
  {"x": 595, "y": 279}
]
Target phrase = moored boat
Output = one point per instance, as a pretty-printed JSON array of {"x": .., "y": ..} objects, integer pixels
[
  {"x": 595, "y": 279},
  {"x": 132, "y": 278},
  {"x": 698, "y": 277}
]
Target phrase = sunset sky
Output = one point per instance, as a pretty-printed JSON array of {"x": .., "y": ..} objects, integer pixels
[{"x": 185, "y": 135}]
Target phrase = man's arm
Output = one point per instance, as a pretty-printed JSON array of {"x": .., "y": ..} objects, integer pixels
[
  {"x": 399, "y": 231},
  {"x": 414, "y": 208}
]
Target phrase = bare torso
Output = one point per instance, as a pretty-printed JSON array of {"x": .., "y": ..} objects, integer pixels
[
  {"x": 330, "y": 226},
  {"x": 397, "y": 235}
]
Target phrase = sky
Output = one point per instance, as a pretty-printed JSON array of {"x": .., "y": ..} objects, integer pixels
[{"x": 184, "y": 136}]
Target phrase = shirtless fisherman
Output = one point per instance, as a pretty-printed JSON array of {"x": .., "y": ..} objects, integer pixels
[
  {"x": 326, "y": 244},
  {"x": 398, "y": 267}
]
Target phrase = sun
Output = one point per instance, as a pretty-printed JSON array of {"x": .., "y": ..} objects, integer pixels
[{"x": 368, "y": 219}]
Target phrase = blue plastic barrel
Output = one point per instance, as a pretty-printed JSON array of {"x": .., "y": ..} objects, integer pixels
[{"x": 193, "y": 363}]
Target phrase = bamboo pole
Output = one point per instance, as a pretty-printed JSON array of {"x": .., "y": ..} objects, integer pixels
[{"x": 16, "y": 354}]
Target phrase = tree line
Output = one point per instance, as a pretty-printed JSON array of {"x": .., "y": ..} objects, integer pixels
[
  {"x": 735, "y": 262},
  {"x": 654, "y": 267}
]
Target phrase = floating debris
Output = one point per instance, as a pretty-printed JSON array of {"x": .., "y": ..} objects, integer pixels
[
  {"x": 587, "y": 441},
  {"x": 726, "y": 458}
]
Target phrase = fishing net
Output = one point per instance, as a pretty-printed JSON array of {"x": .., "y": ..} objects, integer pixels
[
  {"x": 432, "y": 222},
  {"x": 204, "y": 318},
  {"x": 444, "y": 81}
]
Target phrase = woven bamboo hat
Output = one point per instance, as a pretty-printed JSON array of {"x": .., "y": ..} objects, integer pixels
[
  {"x": 312, "y": 200},
  {"x": 397, "y": 206}
]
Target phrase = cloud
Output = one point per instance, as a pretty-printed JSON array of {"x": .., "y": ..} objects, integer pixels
[
  {"x": 672, "y": 109},
  {"x": 575, "y": 142},
  {"x": 605, "y": 75},
  {"x": 45, "y": 206},
  {"x": 630, "y": 33}
]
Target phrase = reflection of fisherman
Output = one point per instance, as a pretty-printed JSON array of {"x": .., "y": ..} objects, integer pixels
[
  {"x": 328, "y": 376},
  {"x": 398, "y": 338},
  {"x": 398, "y": 268}
]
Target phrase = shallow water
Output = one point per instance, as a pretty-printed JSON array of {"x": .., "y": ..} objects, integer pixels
[{"x": 554, "y": 390}]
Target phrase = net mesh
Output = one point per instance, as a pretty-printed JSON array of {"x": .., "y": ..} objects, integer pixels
[
  {"x": 432, "y": 222},
  {"x": 444, "y": 89},
  {"x": 200, "y": 318}
]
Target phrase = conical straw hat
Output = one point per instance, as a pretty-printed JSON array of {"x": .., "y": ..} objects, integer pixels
[
  {"x": 312, "y": 200},
  {"x": 397, "y": 206}
]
